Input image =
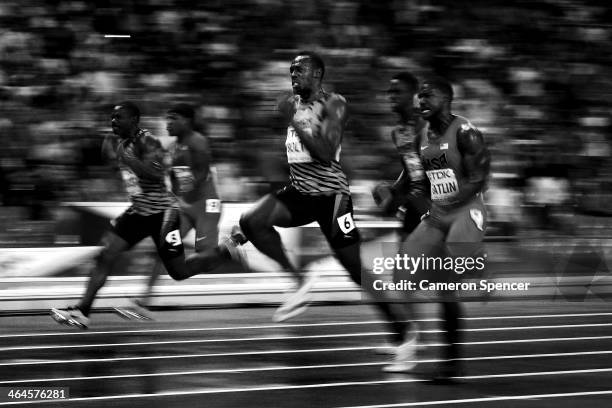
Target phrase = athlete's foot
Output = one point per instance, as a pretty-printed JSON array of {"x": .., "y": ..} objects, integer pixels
[
  {"x": 235, "y": 251},
  {"x": 71, "y": 316},
  {"x": 391, "y": 349},
  {"x": 405, "y": 355},
  {"x": 298, "y": 301},
  {"x": 136, "y": 310}
]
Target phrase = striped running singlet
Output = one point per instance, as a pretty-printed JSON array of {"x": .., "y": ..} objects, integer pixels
[
  {"x": 148, "y": 196},
  {"x": 307, "y": 174}
]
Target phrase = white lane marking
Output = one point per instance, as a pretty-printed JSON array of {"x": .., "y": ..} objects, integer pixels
[
  {"x": 278, "y": 326},
  {"x": 289, "y": 368},
  {"x": 197, "y": 329},
  {"x": 117, "y": 36},
  {"x": 487, "y": 399},
  {"x": 332, "y": 385},
  {"x": 265, "y": 352},
  {"x": 197, "y": 341},
  {"x": 483, "y": 329}
]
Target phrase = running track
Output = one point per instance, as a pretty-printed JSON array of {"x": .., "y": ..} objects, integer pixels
[{"x": 527, "y": 354}]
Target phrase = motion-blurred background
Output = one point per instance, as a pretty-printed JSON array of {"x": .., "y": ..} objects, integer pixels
[{"x": 534, "y": 76}]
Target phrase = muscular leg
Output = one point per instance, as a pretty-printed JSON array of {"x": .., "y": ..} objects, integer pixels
[
  {"x": 113, "y": 246},
  {"x": 464, "y": 240},
  {"x": 258, "y": 223},
  {"x": 350, "y": 258}
]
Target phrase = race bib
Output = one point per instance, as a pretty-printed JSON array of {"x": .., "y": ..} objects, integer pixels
[
  {"x": 184, "y": 179},
  {"x": 174, "y": 238},
  {"x": 346, "y": 223},
  {"x": 213, "y": 205},
  {"x": 296, "y": 151},
  {"x": 443, "y": 184},
  {"x": 131, "y": 182}
]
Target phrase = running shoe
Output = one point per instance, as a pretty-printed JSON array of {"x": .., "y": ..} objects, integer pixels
[
  {"x": 71, "y": 316},
  {"x": 136, "y": 310},
  {"x": 391, "y": 349},
  {"x": 297, "y": 302},
  {"x": 405, "y": 355}
]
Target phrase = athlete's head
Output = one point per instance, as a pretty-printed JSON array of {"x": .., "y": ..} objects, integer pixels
[
  {"x": 402, "y": 88},
  {"x": 124, "y": 119},
  {"x": 307, "y": 71},
  {"x": 180, "y": 119},
  {"x": 435, "y": 97}
]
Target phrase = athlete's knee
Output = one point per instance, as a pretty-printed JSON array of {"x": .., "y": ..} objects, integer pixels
[
  {"x": 176, "y": 267},
  {"x": 251, "y": 223},
  {"x": 106, "y": 257}
]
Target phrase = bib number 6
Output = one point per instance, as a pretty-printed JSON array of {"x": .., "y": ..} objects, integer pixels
[{"x": 346, "y": 223}]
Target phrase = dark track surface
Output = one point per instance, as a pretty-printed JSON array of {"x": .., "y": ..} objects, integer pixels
[{"x": 528, "y": 354}]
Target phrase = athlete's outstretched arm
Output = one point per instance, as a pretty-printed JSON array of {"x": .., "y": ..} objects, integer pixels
[
  {"x": 150, "y": 165},
  {"x": 476, "y": 161},
  {"x": 323, "y": 145}
]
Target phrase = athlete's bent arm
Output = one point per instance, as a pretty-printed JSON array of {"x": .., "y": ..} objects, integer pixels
[
  {"x": 324, "y": 144},
  {"x": 150, "y": 166},
  {"x": 476, "y": 161}
]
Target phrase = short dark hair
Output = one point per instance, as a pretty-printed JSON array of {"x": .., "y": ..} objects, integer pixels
[
  {"x": 441, "y": 84},
  {"x": 408, "y": 79},
  {"x": 130, "y": 107},
  {"x": 183, "y": 109},
  {"x": 315, "y": 59}
]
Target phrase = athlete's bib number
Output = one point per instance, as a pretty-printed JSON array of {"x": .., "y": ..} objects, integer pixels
[
  {"x": 184, "y": 178},
  {"x": 174, "y": 238},
  {"x": 213, "y": 205},
  {"x": 443, "y": 184},
  {"x": 131, "y": 182},
  {"x": 346, "y": 223},
  {"x": 296, "y": 151}
]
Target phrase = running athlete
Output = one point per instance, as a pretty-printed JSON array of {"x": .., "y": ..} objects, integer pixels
[
  {"x": 406, "y": 196},
  {"x": 193, "y": 182},
  {"x": 456, "y": 161},
  {"x": 153, "y": 211},
  {"x": 318, "y": 189}
]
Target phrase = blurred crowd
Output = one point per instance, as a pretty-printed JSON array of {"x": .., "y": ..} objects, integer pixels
[{"x": 532, "y": 75}]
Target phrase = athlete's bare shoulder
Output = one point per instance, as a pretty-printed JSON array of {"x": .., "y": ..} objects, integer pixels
[
  {"x": 469, "y": 138},
  {"x": 197, "y": 142},
  {"x": 336, "y": 107},
  {"x": 285, "y": 104}
]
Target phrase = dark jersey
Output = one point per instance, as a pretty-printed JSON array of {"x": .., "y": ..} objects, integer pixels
[
  {"x": 182, "y": 177},
  {"x": 404, "y": 138}
]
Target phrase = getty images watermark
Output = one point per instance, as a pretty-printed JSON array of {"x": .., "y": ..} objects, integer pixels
[{"x": 453, "y": 268}]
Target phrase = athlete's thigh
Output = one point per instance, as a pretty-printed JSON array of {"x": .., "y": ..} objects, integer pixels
[
  {"x": 113, "y": 245},
  {"x": 426, "y": 239},
  {"x": 208, "y": 214},
  {"x": 469, "y": 224},
  {"x": 187, "y": 220},
  {"x": 164, "y": 228},
  {"x": 127, "y": 230},
  {"x": 335, "y": 218},
  {"x": 284, "y": 208}
]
